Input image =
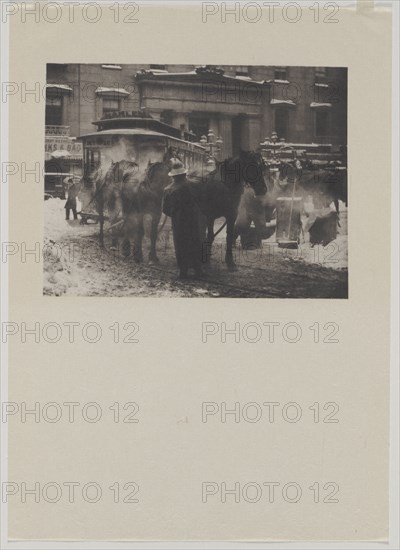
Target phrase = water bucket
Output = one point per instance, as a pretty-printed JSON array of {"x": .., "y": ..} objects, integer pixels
[{"x": 288, "y": 221}]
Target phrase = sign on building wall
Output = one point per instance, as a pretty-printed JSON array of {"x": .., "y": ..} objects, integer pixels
[{"x": 53, "y": 143}]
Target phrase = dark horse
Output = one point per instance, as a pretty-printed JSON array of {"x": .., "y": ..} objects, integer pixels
[
  {"x": 129, "y": 196},
  {"x": 218, "y": 195}
]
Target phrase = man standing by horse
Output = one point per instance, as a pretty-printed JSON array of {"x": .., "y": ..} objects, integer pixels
[{"x": 180, "y": 205}]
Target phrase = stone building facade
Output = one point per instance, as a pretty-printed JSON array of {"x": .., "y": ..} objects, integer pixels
[{"x": 241, "y": 104}]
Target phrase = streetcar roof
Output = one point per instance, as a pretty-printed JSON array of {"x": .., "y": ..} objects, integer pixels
[
  {"x": 58, "y": 174},
  {"x": 137, "y": 132}
]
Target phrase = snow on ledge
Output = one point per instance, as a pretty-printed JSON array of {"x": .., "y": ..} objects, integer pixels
[
  {"x": 276, "y": 81},
  {"x": 60, "y": 87},
  {"x": 282, "y": 102},
  {"x": 102, "y": 90},
  {"x": 315, "y": 105},
  {"x": 116, "y": 67}
]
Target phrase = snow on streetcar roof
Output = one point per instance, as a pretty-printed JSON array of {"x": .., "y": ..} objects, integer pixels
[
  {"x": 134, "y": 132},
  {"x": 124, "y": 131}
]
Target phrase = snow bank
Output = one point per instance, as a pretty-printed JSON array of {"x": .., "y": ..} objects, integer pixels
[
  {"x": 334, "y": 255},
  {"x": 56, "y": 269},
  {"x": 55, "y": 224}
]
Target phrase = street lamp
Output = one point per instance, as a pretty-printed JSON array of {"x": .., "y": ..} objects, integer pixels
[
  {"x": 270, "y": 148},
  {"x": 213, "y": 146}
]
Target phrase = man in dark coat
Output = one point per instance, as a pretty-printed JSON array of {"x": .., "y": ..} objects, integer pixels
[
  {"x": 71, "y": 200},
  {"x": 179, "y": 204}
]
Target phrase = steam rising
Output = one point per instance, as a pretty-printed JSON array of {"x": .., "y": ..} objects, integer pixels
[{"x": 143, "y": 154}]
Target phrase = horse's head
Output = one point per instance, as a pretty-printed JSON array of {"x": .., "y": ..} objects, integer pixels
[
  {"x": 252, "y": 171},
  {"x": 109, "y": 173},
  {"x": 169, "y": 154},
  {"x": 98, "y": 177},
  {"x": 157, "y": 174},
  {"x": 122, "y": 171}
]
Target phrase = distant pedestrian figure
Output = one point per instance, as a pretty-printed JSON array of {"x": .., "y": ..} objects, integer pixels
[
  {"x": 71, "y": 200},
  {"x": 179, "y": 204}
]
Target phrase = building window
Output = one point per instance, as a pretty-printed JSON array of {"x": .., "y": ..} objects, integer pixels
[
  {"x": 54, "y": 108},
  {"x": 110, "y": 106},
  {"x": 199, "y": 125},
  {"x": 158, "y": 67},
  {"x": 320, "y": 73},
  {"x": 281, "y": 123},
  {"x": 242, "y": 70},
  {"x": 280, "y": 73},
  {"x": 321, "y": 123}
]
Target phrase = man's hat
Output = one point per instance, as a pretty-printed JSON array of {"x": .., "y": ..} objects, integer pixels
[{"x": 177, "y": 168}]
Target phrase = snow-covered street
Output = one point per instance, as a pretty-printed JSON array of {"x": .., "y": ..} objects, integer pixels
[{"x": 74, "y": 264}]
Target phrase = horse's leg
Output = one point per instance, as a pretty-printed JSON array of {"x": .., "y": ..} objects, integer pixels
[
  {"x": 140, "y": 237},
  {"x": 138, "y": 232},
  {"x": 155, "y": 220},
  {"x": 113, "y": 213},
  {"x": 336, "y": 203},
  {"x": 207, "y": 246},
  {"x": 243, "y": 219},
  {"x": 230, "y": 231},
  {"x": 126, "y": 230},
  {"x": 203, "y": 223},
  {"x": 126, "y": 245},
  {"x": 101, "y": 220}
]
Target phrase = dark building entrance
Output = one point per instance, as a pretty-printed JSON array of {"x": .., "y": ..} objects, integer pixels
[
  {"x": 199, "y": 124},
  {"x": 237, "y": 133},
  {"x": 282, "y": 122}
]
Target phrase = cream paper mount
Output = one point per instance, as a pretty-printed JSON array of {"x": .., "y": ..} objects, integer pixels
[{"x": 166, "y": 477}]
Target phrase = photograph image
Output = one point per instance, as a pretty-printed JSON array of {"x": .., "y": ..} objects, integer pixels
[{"x": 196, "y": 181}]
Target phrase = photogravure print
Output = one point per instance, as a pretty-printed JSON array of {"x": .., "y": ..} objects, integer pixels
[{"x": 195, "y": 181}]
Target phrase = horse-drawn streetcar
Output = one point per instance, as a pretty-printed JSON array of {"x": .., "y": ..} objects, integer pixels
[
  {"x": 138, "y": 138},
  {"x": 126, "y": 166},
  {"x": 126, "y": 170}
]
